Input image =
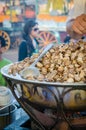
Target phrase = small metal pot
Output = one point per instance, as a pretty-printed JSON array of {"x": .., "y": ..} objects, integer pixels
[{"x": 7, "y": 116}]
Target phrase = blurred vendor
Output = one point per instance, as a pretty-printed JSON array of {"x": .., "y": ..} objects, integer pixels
[
  {"x": 3, "y": 61},
  {"x": 76, "y": 23}
]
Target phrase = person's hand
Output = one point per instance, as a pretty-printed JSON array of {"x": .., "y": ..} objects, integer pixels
[{"x": 79, "y": 25}]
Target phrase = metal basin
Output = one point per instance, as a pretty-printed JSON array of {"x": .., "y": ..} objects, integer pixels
[{"x": 47, "y": 102}]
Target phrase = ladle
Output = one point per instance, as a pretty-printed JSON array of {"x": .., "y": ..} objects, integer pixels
[{"x": 32, "y": 70}]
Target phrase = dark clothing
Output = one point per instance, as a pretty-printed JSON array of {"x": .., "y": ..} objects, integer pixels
[
  {"x": 22, "y": 51},
  {"x": 67, "y": 39},
  {"x": 26, "y": 49}
]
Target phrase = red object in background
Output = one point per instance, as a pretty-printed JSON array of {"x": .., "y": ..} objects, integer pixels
[{"x": 30, "y": 14}]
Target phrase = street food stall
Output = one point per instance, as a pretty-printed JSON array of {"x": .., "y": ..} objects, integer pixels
[
  {"x": 53, "y": 97},
  {"x": 12, "y": 20},
  {"x": 14, "y": 14},
  {"x": 53, "y": 91},
  {"x": 52, "y": 16}
]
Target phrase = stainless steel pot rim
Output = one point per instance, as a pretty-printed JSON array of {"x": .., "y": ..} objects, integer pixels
[{"x": 17, "y": 78}]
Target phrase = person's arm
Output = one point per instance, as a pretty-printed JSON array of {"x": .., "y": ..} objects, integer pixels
[
  {"x": 70, "y": 30},
  {"x": 76, "y": 28},
  {"x": 22, "y": 54},
  {"x": 75, "y": 18}
]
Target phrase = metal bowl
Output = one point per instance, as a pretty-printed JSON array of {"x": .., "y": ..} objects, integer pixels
[{"x": 46, "y": 102}]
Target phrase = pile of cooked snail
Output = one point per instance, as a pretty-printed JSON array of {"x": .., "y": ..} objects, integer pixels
[{"x": 62, "y": 63}]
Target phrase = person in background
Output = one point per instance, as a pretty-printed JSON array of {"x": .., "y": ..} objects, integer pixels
[
  {"x": 76, "y": 22},
  {"x": 3, "y": 61},
  {"x": 29, "y": 44}
]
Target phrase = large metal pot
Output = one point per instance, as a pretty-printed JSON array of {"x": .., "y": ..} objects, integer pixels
[
  {"x": 43, "y": 101},
  {"x": 7, "y": 116}
]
